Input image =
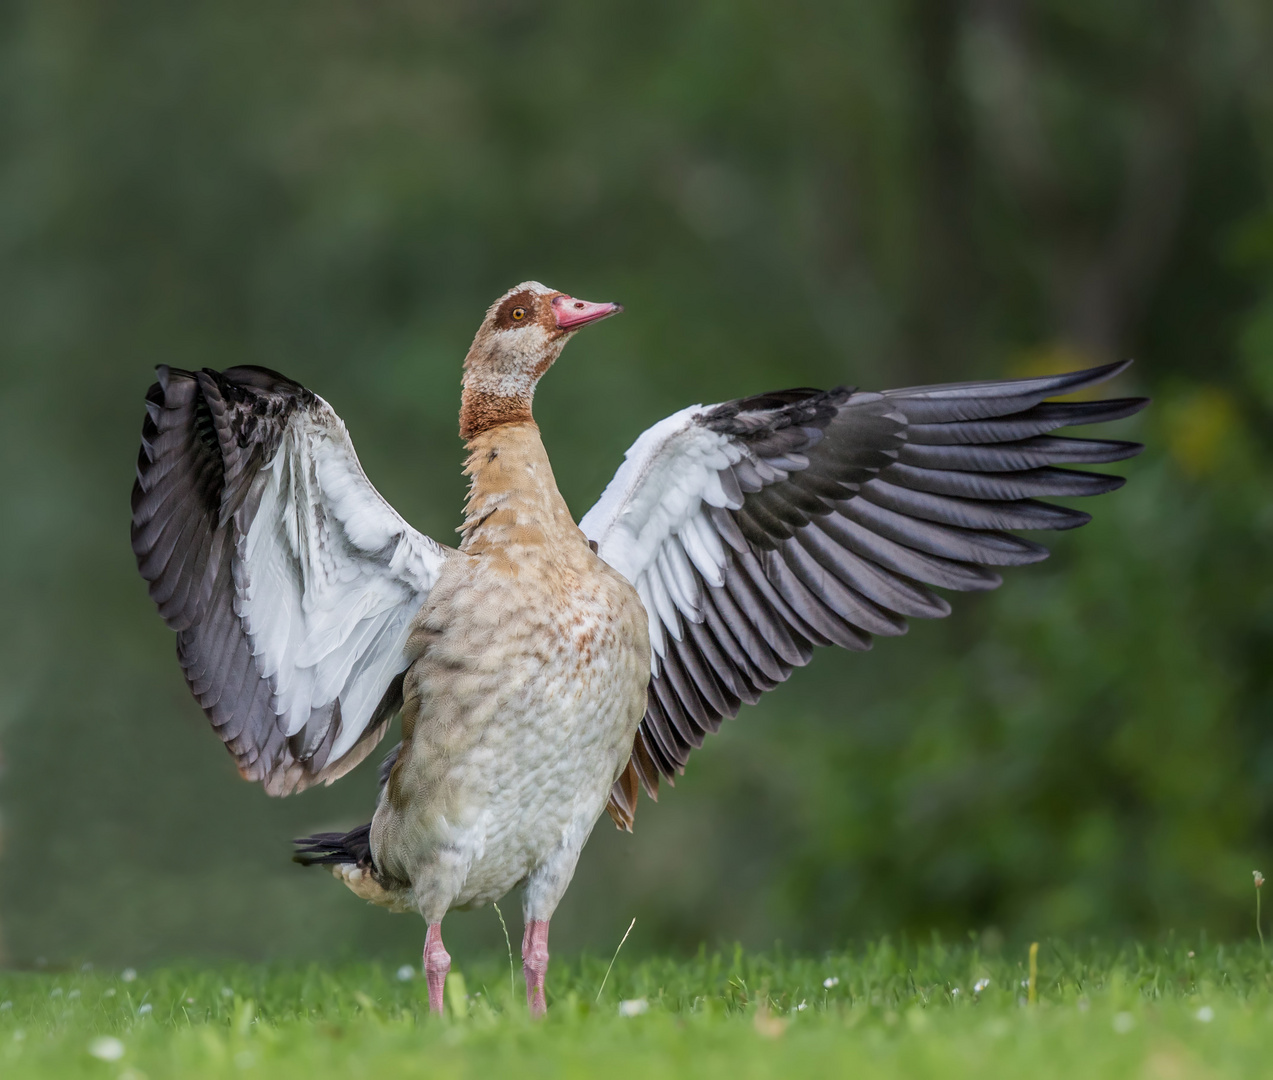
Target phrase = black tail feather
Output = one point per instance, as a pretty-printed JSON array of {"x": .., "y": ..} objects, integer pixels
[{"x": 331, "y": 848}]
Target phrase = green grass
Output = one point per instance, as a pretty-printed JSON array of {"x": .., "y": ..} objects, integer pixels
[{"x": 1153, "y": 1012}]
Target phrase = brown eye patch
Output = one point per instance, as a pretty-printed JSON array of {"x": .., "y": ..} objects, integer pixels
[{"x": 518, "y": 310}]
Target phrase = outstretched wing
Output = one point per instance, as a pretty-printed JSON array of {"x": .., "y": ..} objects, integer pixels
[
  {"x": 757, "y": 529},
  {"x": 289, "y": 579}
]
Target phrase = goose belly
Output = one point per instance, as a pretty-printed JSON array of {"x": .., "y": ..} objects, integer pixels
[
  {"x": 539, "y": 785},
  {"x": 521, "y": 728}
]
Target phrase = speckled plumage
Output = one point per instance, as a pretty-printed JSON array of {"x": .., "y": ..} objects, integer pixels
[{"x": 527, "y": 683}]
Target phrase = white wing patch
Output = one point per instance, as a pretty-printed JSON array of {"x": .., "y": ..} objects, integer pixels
[
  {"x": 326, "y": 622},
  {"x": 649, "y": 523}
]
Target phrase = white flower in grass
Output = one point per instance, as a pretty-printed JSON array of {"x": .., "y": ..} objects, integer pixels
[
  {"x": 55, "y": 992},
  {"x": 800, "y": 1008},
  {"x": 634, "y": 1007},
  {"x": 72, "y": 995},
  {"x": 1205, "y": 1015},
  {"x": 146, "y": 1010},
  {"x": 109, "y": 992},
  {"x": 226, "y": 992},
  {"x": 830, "y": 981},
  {"x": 106, "y": 1048},
  {"x": 5, "y": 1006},
  {"x": 980, "y": 985},
  {"x": 1259, "y": 878},
  {"x": 956, "y": 992},
  {"x": 128, "y": 974},
  {"x": 1123, "y": 1023},
  {"x": 406, "y": 973}
]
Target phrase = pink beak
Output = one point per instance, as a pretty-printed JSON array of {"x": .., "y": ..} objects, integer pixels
[{"x": 572, "y": 314}]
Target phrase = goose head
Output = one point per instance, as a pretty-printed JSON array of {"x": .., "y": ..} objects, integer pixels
[{"x": 522, "y": 335}]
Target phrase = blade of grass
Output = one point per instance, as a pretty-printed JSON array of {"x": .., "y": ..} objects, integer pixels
[
  {"x": 512, "y": 972},
  {"x": 1259, "y": 884},
  {"x": 615, "y": 957}
]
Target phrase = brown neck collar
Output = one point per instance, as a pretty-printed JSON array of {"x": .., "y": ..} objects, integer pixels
[{"x": 481, "y": 410}]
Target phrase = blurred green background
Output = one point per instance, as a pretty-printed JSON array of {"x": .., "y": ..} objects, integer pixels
[{"x": 809, "y": 193}]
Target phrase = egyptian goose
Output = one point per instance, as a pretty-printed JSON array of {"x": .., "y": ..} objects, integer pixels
[{"x": 545, "y": 670}]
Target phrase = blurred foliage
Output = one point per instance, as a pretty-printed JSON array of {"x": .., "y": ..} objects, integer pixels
[{"x": 823, "y": 192}]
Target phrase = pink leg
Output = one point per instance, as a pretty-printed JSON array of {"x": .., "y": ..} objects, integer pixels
[
  {"x": 535, "y": 964},
  {"x": 437, "y": 964}
]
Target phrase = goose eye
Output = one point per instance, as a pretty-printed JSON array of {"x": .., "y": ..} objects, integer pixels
[{"x": 519, "y": 313}]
